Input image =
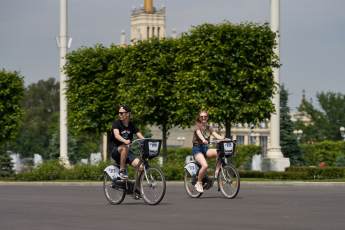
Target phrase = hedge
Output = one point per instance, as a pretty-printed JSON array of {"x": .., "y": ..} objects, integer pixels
[{"x": 329, "y": 152}]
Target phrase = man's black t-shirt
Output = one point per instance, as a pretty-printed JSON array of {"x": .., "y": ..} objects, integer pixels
[{"x": 125, "y": 131}]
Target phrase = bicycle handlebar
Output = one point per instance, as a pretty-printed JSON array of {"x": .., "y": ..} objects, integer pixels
[
  {"x": 138, "y": 140},
  {"x": 217, "y": 141}
]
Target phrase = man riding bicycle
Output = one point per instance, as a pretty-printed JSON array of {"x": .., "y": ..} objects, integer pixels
[{"x": 121, "y": 136}]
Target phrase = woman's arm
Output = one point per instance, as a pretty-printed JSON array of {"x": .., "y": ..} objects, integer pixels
[
  {"x": 216, "y": 135},
  {"x": 202, "y": 138}
]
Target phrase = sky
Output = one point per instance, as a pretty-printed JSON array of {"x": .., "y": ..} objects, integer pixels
[{"x": 312, "y": 43}]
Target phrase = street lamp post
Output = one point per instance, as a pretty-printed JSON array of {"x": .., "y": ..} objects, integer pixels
[
  {"x": 342, "y": 132},
  {"x": 63, "y": 45},
  {"x": 298, "y": 134}
]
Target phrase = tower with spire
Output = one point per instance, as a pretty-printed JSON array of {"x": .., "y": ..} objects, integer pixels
[{"x": 147, "y": 22}]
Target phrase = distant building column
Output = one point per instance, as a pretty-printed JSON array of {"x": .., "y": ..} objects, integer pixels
[{"x": 275, "y": 160}]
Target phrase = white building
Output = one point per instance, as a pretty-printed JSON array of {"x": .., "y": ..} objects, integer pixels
[{"x": 147, "y": 22}]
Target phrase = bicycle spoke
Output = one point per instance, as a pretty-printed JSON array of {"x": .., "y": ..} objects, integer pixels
[{"x": 152, "y": 185}]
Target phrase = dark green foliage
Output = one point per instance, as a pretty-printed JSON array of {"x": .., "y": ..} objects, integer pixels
[
  {"x": 326, "y": 121},
  {"x": 53, "y": 170},
  {"x": 288, "y": 140},
  {"x": 340, "y": 161},
  {"x": 244, "y": 155},
  {"x": 325, "y": 151},
  {"x": 6, "y": 165},
  {"x": 11, "y": 111},
  {"x": 40, "y": 121}
]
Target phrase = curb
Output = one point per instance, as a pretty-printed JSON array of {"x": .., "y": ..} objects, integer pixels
[{"x": 99, "y": 183}]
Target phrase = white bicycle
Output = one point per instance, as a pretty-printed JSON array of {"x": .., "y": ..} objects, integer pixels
[
  {"x": 228, "y": 178},
  {"x": 149, "y": 182}
]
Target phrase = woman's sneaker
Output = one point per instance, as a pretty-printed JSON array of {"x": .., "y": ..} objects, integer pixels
[
  {"x": 123, "y": 174},
  {"x": 198, "y": 187}
]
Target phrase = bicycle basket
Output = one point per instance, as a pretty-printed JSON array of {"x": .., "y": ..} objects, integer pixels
[
  {"x": 226, "y": 148},
  {"x": 151, "y": 148}
]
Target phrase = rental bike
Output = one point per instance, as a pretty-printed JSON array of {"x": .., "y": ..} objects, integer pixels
[
  {"x": 149, "y": 181},
  {"x": 228, "y": 178}
]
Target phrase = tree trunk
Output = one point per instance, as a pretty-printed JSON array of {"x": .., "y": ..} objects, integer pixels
[
  {"x": 164, "y": 137},
  {"x": 227, "y": 129}
]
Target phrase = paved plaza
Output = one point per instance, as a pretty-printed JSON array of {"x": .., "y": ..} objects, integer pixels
[{"x": 75, "y": 206}]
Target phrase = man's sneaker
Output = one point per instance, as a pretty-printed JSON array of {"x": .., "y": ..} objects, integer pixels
[
  {"x": 123, "y": 175},
  {"x": 198, "y": 187}
]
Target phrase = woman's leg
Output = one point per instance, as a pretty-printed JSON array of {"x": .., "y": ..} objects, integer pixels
[
  {"x": 199, "y": 157},
  {"x": 212, "y": 153}
]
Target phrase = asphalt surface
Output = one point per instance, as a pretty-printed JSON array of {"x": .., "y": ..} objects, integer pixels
[{"x": 258, "y": 206}]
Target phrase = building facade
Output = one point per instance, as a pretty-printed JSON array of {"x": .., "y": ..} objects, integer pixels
[{"x": 147, "y": 22}]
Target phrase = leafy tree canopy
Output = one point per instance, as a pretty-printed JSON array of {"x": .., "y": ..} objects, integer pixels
[
  {"x": 92, "y": 92},
  {"x": 326, "y": 120},
  {"x": 227, "y": 69},
  {"x": 11, "y": 111}
]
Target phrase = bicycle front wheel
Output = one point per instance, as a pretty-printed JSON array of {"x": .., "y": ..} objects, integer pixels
[
  {"x": 189, "y": 183},
  {"x": 115, "y": 193},
  {"x": 152, "y": 185},
  {"x": 229, "y": 181}
]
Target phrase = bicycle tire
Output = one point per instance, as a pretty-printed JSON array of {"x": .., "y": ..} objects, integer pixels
[
  {"x": 113, "y": 193},
  {"x": 229, "y": 181},
  {"x": 152, "y": 186},
  {"x": 189, "y": 183}
]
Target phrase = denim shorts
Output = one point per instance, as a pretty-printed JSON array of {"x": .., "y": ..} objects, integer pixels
[
  {"x": 199, "y": 149},
  {"x": 116, "y": 155}
]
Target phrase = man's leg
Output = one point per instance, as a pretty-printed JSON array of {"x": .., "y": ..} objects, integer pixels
[{"x": 123, "y": 150}]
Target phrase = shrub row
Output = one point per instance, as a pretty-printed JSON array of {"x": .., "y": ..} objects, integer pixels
[
  {"x": 173, "y": 171},
  {"x": 52, "y": 170},
  {"x": 330, "y": 152}
]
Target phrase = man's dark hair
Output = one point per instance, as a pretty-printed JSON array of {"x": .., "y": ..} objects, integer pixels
[{"x": 125, "y": 107}]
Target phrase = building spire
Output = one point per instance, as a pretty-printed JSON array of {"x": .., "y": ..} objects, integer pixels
[{"x": 148, "y": 6}]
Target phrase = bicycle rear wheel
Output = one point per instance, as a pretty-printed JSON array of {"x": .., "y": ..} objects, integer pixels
[
  {"x": 229, "y": 181},
  {"x": 152, "y": 185},
  {"x": 189, "y": 183},
  {"x": 114, "y": 192}
]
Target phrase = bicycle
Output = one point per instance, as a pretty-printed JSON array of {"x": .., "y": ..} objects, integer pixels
[
  {"x": 228, "y": 178},
  {"x": 149, "y": 182}
]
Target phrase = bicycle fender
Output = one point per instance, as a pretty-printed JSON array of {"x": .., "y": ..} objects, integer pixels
[
  {"x": 192, "y": 168},
  {"x": 112, "y": 171}
]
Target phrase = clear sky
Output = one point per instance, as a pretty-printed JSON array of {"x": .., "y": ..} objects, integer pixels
[{"x": 312, "y": 34}]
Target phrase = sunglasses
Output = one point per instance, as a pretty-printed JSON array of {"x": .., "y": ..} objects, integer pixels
[
  {"x": 121, "y": 113},
  {"x": 203, "y": 116}
]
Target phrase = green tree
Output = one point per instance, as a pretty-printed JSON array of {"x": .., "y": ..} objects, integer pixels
[
  {"x": 92, "y": 92},
  {"x": 325, "y": 121},
  {"x": 6, "y": 165},
  {"x": 148, "y": 84},
  {"x": 227, "y": 69},
  {"x": 288, "y": 140},
  {"x": 41, "y": 104},
  {"x": 11, "y": 111}
]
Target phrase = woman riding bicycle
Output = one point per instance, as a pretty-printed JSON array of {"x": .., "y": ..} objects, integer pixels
[
  {"x": 200, "y": 150},
  {"x": 122, "y": 135}
]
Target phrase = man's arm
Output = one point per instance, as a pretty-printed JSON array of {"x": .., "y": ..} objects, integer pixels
[
  {"x": 140, "y": 135},
  {"x": 120, "y": 138}
]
